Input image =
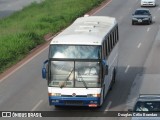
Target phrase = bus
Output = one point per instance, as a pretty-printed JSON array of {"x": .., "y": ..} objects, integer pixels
[{"x": 82, "y": 62}]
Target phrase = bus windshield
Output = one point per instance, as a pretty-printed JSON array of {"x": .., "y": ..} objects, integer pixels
[
  {"x": 75, "y": 74},
  {"x": 75, "y": 51}
]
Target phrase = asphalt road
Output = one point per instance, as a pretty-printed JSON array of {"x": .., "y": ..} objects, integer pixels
[
  {"x": 24, "y": 90},
  {"x": 7, "y": 7}
]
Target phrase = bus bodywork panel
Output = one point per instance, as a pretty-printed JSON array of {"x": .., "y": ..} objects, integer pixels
[
  {"x": 112, "y": 62},
  {"x": 74, "y": 97}
]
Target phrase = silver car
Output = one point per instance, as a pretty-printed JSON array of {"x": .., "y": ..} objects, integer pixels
[
  {"x": 141, "y": 16},
  {"x": 148, "y": 3}
]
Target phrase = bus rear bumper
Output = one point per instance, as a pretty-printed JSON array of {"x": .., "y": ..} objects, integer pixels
[{"x": 75, "y": 101}]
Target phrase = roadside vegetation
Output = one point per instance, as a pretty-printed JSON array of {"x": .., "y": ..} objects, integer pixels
[{"x": 25, "y": 29}]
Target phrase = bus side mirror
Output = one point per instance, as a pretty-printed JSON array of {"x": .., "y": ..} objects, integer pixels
[
  {"x": 44, "y": 70},
  {"x": 106, "y": 70}
]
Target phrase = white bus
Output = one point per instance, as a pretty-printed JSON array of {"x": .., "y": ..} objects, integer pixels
[{"x": 82, "y": 62}]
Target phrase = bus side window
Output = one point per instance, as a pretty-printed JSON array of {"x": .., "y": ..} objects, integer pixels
[
  {"x": 114, "y": 34},
  {"x": 104, "y": 50},
  {"x": 106, "y": 44},
  {"x": 117, "y": 33},
  {"x": 110, "y": 43}
]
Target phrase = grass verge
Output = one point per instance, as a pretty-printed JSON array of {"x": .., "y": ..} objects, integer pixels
[{"x": 25, "y": 29}]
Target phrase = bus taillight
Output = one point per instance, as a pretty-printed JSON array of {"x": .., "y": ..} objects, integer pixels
[{"x": 92, "y": 105}]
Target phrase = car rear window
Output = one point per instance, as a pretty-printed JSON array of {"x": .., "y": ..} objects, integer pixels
[{"x": 141, "y": 12}]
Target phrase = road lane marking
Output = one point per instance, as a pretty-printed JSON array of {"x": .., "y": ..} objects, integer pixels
[
  {"x": 139, "y": 45},
  {"x": 128, "y": 66},
  {"x": 37, "y": 105},
  {"x": 108, "y": 106},
  {"x": 102, "y": 7},
  {"x": 148, "y": 29}
]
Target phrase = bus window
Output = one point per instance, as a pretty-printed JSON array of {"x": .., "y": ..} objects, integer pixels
[
  {"x": 79, "y": 52},
  {"x": 106, "y": 47},
  {"x": 117, "y": 33},
  {"x": 109, "y": 43},
  {"x": 104, "y": 50},
  {"x": 112, "y": 39},
  {"x": 88, "y": 74}
]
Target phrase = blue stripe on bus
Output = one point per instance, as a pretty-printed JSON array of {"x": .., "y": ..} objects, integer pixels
[{"x": 84, "y": 100}]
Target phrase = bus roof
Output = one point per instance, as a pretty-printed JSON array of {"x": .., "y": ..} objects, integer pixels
[{"x": 89, "y": 30}]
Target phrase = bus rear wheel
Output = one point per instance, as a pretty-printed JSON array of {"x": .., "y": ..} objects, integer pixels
[
  {"x": 113, "y": 78},
  {"x": 57, "y": 106}
]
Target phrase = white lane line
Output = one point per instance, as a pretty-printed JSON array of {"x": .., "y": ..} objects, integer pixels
[
  {"x": 36, "y": 106},
  {"x": 139, "y": 45},
  {"x": 148, "y": 29},
  {"x": 128, "y": 66},
  {"x": 108, "y": 106},
  {"x": 102, "y": 7}
]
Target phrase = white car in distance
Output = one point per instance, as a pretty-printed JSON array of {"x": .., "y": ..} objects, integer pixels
[{"x": 148, "y": 3}]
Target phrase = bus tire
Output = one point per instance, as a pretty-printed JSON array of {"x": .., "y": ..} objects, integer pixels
[
  {"x": 113, "y": 79},
  {"x": 103, "y": 96},
  {"x": 56, "y": 106},
  {"x": 114, "y": 76},
  {"x": 103, "y": 93}
]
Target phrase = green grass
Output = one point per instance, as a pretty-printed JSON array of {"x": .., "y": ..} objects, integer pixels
[{"x": 25, "y": 29}]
